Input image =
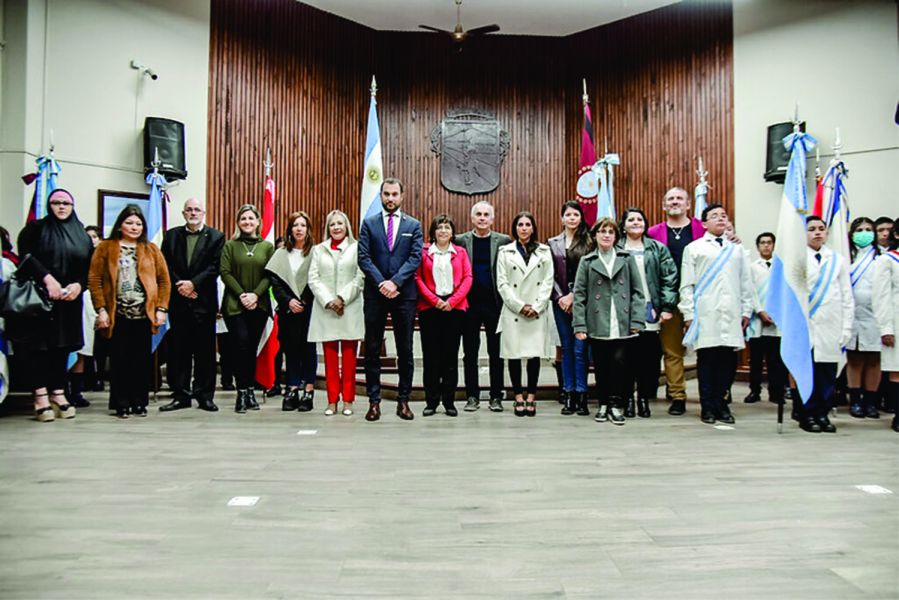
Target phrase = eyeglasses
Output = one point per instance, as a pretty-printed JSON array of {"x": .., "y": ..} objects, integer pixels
[{"x": 61, "y": 203}]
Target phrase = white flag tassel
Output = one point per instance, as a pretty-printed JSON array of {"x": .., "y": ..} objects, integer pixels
[{"x": 604, "y": 168}]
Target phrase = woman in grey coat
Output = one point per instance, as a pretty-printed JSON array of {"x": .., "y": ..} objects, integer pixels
[
  {"x": 658, "y": 282},
  {"x": 609, "y": 310}
]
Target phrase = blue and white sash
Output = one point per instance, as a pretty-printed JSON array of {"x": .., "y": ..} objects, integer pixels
[
  {"x": 859, "y": 270},
  {"x": 702, "y": 284},
  {"x": 894, "y": 254},
  {"x": 755, "y": 323},
  {"x": 822, "y": 286}
]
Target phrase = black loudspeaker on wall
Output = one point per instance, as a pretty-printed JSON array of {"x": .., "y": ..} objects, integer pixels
[
  {"x": 166, "y": 136},
  {"x": 778, "y": 158}
]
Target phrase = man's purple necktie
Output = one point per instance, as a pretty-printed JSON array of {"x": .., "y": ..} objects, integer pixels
[{"x": 390, "y": 232}]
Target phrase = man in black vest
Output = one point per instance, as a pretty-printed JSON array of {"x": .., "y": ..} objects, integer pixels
[{"x": 192, "y": 252}]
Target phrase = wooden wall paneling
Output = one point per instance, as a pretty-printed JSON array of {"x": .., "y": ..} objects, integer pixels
[{"x": 285, "y": 74}]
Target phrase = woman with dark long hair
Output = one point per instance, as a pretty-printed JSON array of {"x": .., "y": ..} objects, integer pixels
[
  {"x": 863, "y": 350},
  {"x": 886, "y": 310},
  {"x": 658, "y": 281},
  {"x": 55, "y": 253},
  {"x": 568, "y": 248},
  {"x": 129, "y": 284},
  {"x": 289, "y": 268},
  {"x": 246, "y": 305},
  {"x": 524, "y": 278}
]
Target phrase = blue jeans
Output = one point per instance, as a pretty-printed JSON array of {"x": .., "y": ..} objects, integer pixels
[{"x": 574, "y": 353}]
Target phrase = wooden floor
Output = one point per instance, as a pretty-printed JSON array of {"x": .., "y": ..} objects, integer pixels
[{"x": 482, "y": 506}]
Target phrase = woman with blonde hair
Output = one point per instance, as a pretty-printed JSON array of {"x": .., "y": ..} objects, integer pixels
[
  {"x": 337, "y": 321},
  {"x": 246, "y": 305},
  {"x": 289, "y": 268}
]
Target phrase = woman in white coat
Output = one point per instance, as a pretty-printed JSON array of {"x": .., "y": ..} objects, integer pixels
[
  {"x": 336, "y": 282},
  {"x": 831, "y": 311},
  {"x": 863, "y": 350},
  {"x": 524, "y": 280},
  {"x": 886, "y": 310}
]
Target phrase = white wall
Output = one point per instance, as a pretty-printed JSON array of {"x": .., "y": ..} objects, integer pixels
[
  {"x": 840, "y": 61},
  {"x": 95, "y": 104}
]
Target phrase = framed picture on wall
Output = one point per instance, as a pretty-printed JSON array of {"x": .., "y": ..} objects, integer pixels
[{"x": 110, "y": 203}]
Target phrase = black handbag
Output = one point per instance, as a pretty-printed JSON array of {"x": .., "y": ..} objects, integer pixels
[{"x": 23, "y": 298}]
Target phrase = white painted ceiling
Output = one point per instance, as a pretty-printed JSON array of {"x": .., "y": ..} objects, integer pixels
[{"x": 522, "y": 17}]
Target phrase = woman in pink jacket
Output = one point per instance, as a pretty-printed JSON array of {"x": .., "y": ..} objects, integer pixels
[{"x": 443, "y": 279}]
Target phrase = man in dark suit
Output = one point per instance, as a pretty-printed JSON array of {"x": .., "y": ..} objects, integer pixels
[
  {"x": 390, "y": 244},
  {"x": 484, "y": 306},
  {"x": 192, "y": 252}
]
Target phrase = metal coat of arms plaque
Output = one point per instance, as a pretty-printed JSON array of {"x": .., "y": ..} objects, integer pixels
[{"x": 471, "y": 146}]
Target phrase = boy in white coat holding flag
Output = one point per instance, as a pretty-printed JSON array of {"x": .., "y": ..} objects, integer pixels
[
  {"x": 717, "y": 298},
  {"x": 830, "y": 309}
]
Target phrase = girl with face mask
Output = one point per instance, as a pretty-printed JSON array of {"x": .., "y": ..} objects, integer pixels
[{"x": 863, "y": 350}]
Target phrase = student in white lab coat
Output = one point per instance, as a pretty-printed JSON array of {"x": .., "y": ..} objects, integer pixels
[
  {"x": 886, "y": 310},
  {"x": 863, "y": 350},
  {"x": 716, "y": 298},
  {"x": 763, "y": 335},
  {"x": 831, "y": 311}
]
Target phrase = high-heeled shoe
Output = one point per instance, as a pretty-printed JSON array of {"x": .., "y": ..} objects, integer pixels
[
  {"x": 332, "y": 408},
  {"x": 530, "y": 408},
  {"x": 347, "y": 409},
  {"x": 63, "y": 409},
  {"x": 518, "y": 408}
]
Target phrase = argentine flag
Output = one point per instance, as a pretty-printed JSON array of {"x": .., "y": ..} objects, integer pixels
[
  {"x": 373, "y": 173},
  {"x": 787, "y": 300},
  {"x": 155, "y": 230}
]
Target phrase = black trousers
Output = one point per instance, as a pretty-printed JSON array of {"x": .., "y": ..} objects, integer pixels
[
  {"x": 226, "y": 356},
  {"x": 42, "y": 368},
  {"x": 825, "y": 378},
  {"x": 610, "y": 370},
  {"x": 533, "y": 367},
  {"x": 245, "y": 330},
  {"x": 716, "y": 368},
  {"x": 487, "y": 315},
  {"x": 402, "y": 314},
  {"x": 192, "y": 351},
  {"x": 130, "y": 361},
  {"x": 441, "y": 333},
  {"x": 643, "y": 356},
  {"x": 767, "y": 349}
]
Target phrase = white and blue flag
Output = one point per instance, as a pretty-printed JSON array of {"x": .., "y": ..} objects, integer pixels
[
  {"x": 788, "y": 294},
  {"x": 373, "y": 173},
  {"x": 155, "y": 230}
]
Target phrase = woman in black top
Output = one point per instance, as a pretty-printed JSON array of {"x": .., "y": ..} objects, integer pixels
[{"x": 56, "y": 253}]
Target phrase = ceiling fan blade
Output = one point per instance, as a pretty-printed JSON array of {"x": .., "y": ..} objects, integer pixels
[
  {"x": 429, "y": 28},
  {"x": 483, "y": 30}
]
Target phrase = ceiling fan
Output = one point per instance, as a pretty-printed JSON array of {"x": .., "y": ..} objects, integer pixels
[{"x": 458, "y": 34}]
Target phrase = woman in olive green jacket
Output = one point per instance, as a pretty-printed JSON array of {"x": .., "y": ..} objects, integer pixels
[
  {"x": 608, "y": 310},
  {"x": 246, "y": 305},
  {"x": 658, "y": 281}
]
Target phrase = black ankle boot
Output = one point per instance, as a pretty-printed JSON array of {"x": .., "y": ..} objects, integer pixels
[
  {"x": 643, "y": 408},
  {"x": 570, "y": 401},
  {"x": 582, "y": 409},
  {"x": 564, "y": 397},
  {"x": 240, "y": 405},
  {"x": 305, "y": 402},
  {"x": 856, "y": 406},
  {"x": 250, "y": 399},
  {"x": 76, "y": 386},
  {"x": 630, "y": 411},
  {"x": 291, "y": 400}
]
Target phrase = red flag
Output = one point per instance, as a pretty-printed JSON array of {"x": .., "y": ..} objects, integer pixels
[
  {"x": 818, "y": 208},
  {"x": 587, "y": 181},
  {"x": 268, "y": 343}
]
